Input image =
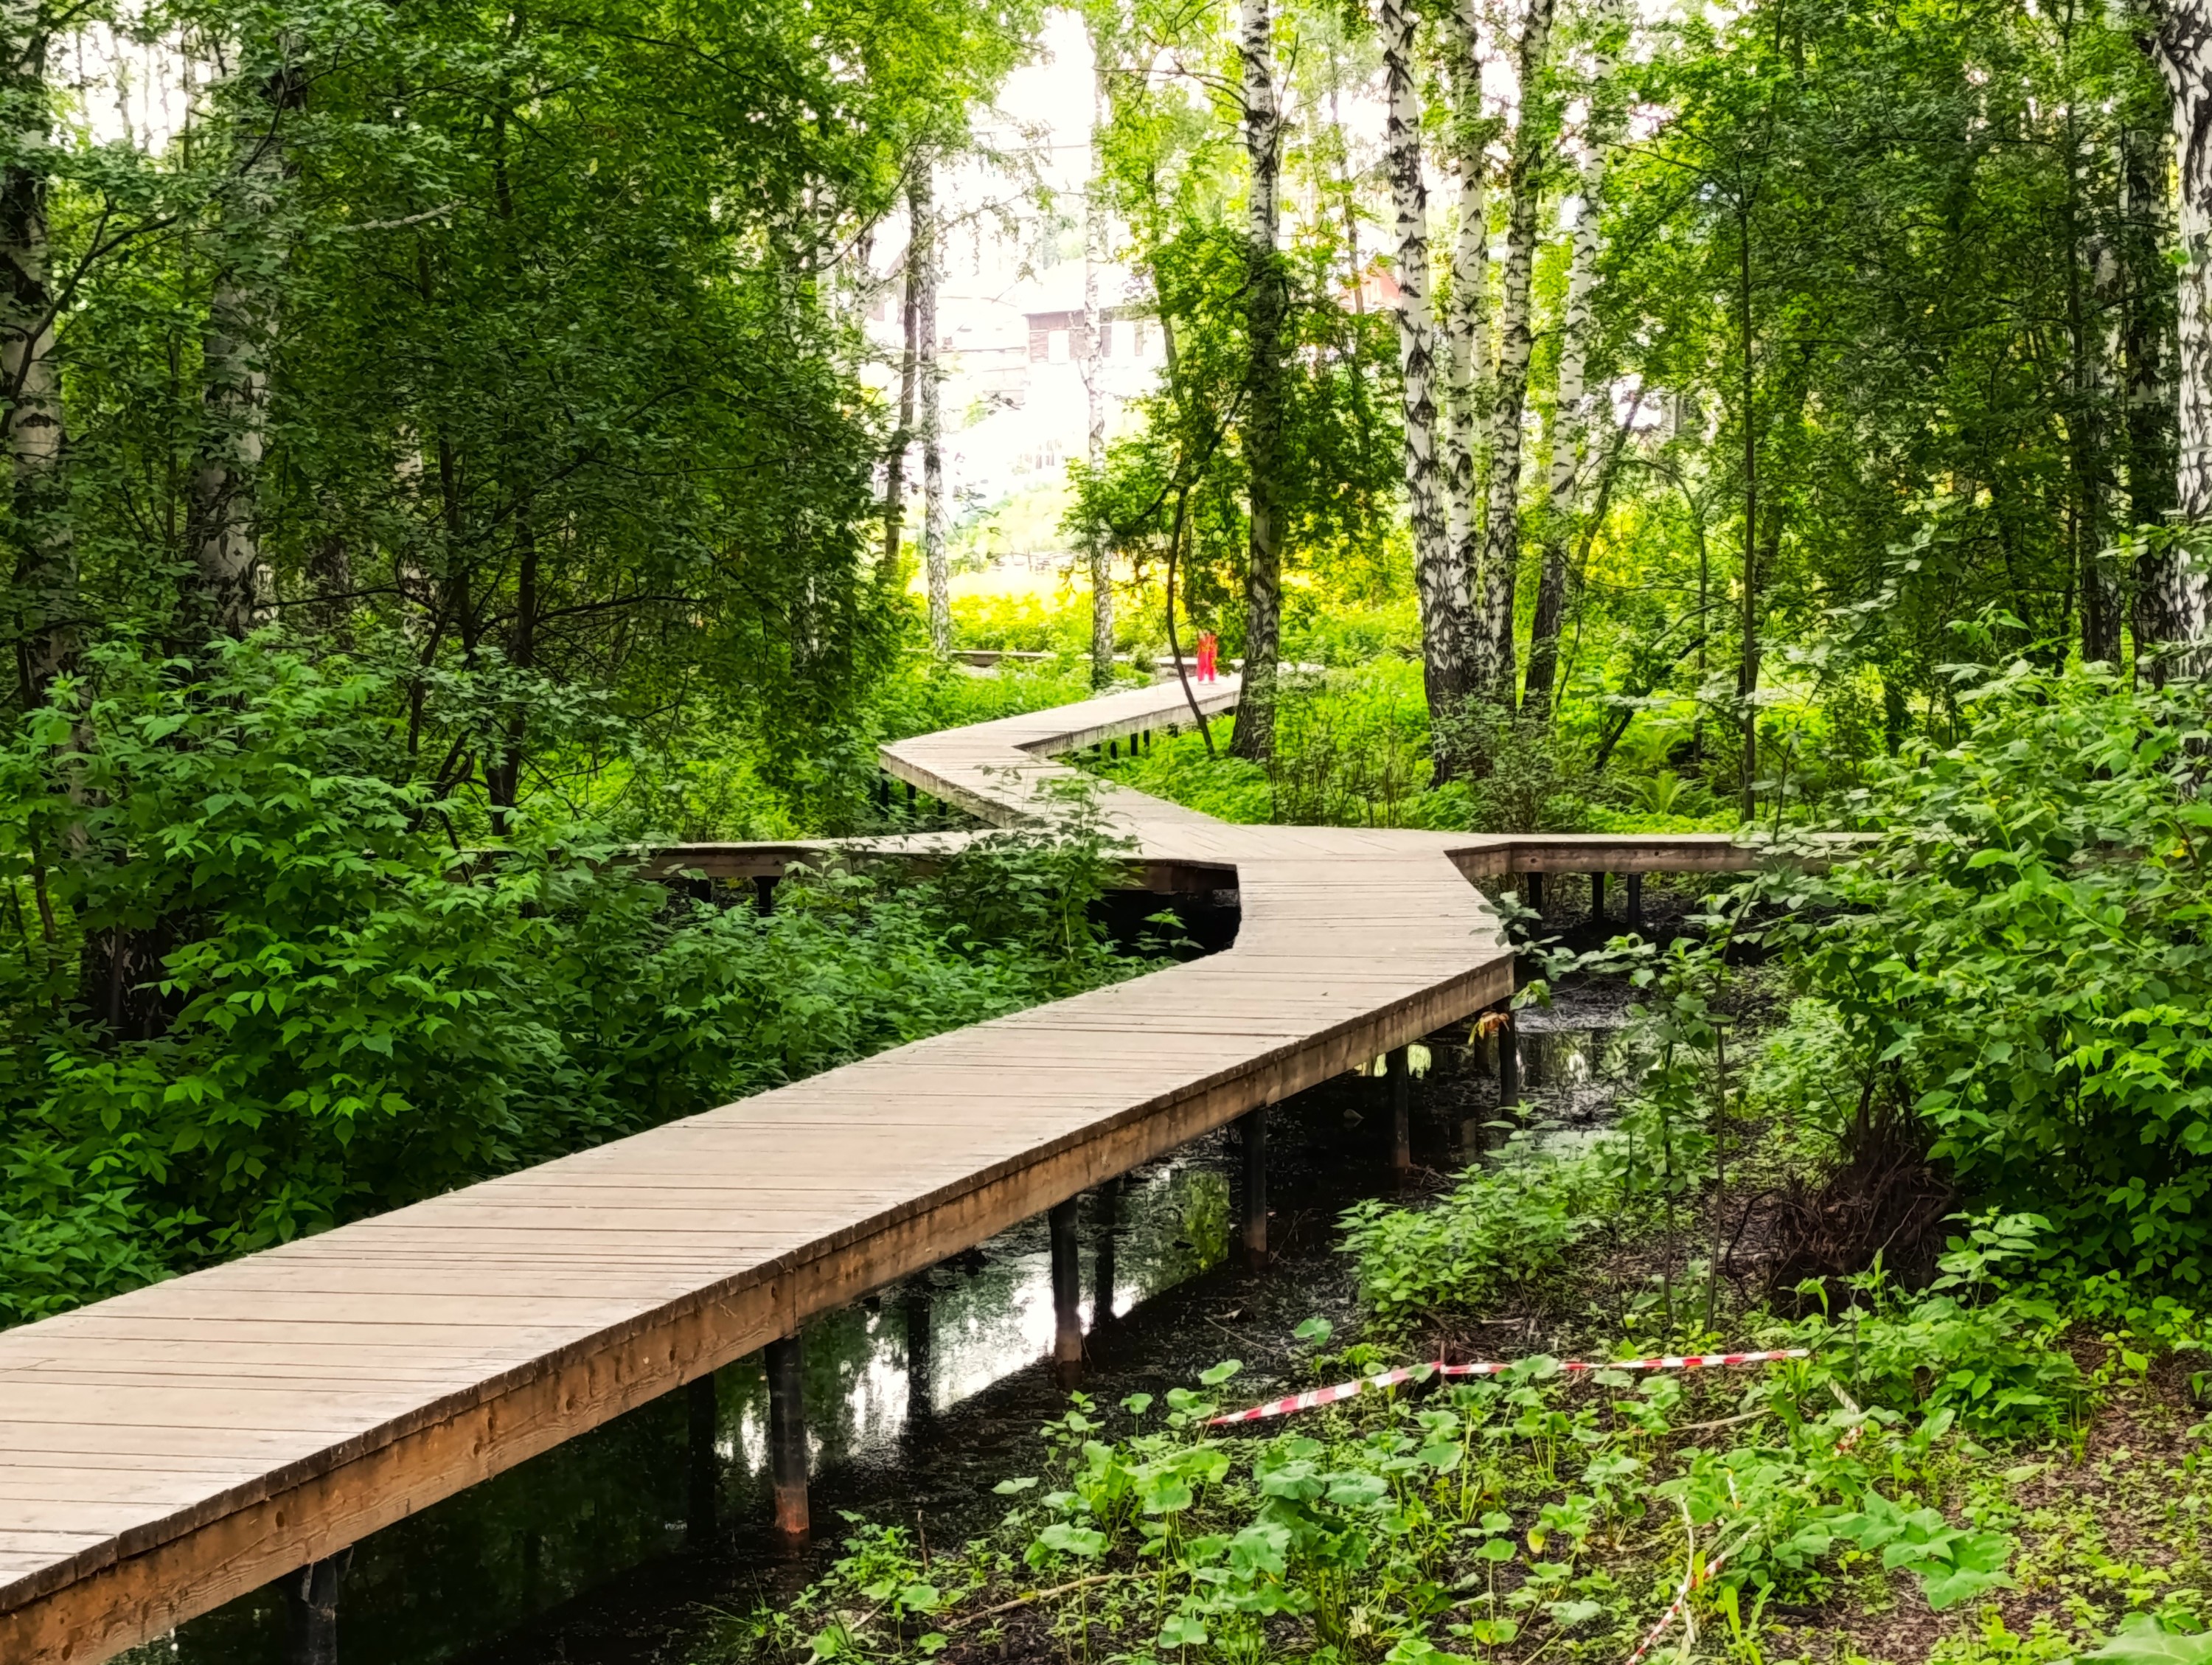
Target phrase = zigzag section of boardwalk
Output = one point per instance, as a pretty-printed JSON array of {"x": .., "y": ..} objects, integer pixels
[{"x": 164, "y": 1451}]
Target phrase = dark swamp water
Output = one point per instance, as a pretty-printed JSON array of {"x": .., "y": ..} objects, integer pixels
[{"x": 601, "y": 1551}]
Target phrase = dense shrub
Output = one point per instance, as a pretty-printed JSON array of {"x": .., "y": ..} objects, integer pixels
[
  {"x": 1498, "y": 1229},
  {"x": 266, "y": 981},
  {"x": 2020, "y": 959}
]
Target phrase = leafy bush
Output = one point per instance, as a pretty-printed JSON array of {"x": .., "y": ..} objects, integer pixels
[
  {"x": 2021, "y": 958},
  {"x": 1499, "y": 1228},
  {"x": 264, "y": 984},
  {"x": 1977, "y": 1348}
]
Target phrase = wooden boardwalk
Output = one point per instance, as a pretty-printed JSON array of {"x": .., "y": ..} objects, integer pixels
[{"x": 166, "y": 1450}]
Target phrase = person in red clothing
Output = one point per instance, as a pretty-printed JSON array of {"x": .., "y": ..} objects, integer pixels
[{"x": 1208, "y": 646}]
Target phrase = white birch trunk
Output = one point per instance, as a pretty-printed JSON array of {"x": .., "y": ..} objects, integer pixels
[
  {"x": 1466, "y": 314},
  {"x": 2183, "y": 51},
  {"x": 1094, "y": 389},
  {"x": 922, "y": 211},
  {"x": 45, "y": 598},
  {"x": 1265, "y": 302},
  {"x": 888, "y": 567},
  {"x": 1572, "y": 409},
  {"x": 1496, "y": 669},
  {"x": 241, "y": 335},
  {"x": 1440, "y": 585}
]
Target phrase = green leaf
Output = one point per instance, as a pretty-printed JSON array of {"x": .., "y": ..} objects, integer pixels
[{"x": 2151, "y": 1645}]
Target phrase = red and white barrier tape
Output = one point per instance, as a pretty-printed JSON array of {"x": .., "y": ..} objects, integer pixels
[
  {"x": 1318, "y": 1396},
  {"x": 1690, "y": 1580}
]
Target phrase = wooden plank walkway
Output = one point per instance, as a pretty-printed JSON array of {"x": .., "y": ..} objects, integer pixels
[{"x": 166, "y": 1450}]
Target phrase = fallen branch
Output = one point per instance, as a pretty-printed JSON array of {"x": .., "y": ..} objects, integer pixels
[{"x": 1028, "y": 1597}]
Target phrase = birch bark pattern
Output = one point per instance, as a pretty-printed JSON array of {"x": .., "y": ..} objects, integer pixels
[
  {"x": 2146, "y": 333},
  {"x": 1572, "y": 409},
  {"x": 2183, "y": 48},
  {"x": 1440, "y": 584},
  {"x": 887, "y": 569},
  {"x": 45, "y": 626},
  {"x": 241, "y": 334},
  {"x": 1466, "y": 320},
  {"x": 1094, "y": 391},
  {"x": 921, "y": 209},
  {"x": 1264, "y": 302},
  {"x": 1496, "y": 670}
]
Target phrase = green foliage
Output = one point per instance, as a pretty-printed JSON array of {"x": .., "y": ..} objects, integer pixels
[
  {"x": 1499, "y": 1228},
  {"x": 262, "y": 986},
  {"x": 2144, "y": 1640},
  {"x": 1953, "y": 1564},
  {"x": 1535, "y": 1509},
  {"x": 2019, "y": 958}
]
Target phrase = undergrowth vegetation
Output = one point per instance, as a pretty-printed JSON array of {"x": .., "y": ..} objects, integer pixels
[
  {"x": 267, "y": 976},
  {"x": 1925, "y": 1111}
]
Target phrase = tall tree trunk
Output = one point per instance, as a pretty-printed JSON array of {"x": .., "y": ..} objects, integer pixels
[
  {"x": 45, "y": 626},
  {"x": 1572, "y": 409},
  {"x": 2183, "y": 48},
  {"x": 1469, "y": 372},
  {"x": 1496, "y": 670},
  {"x": 2146, "y": 348},
  {"x": 1440, "y": 585},
  {"x": 1094, "y": 389},
  {"x": 1266, "y": 300},
  {"x": 2096, "y": 351},
  {"x": 887, "y": 569},
  {"x": 921, "y": 208},
  {"x": 223, "y": 529},
  {"x": 1746, "y": 676}
]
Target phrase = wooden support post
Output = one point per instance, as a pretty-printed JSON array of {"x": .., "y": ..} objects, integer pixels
[
  {"x": 921, "y": 1392},
  {"x": 1107, "y": 1223},
  {"x": 1535, "y": 888},
  {"x": 1509, "y": 1063},
  {"x": 311, "y": 1601},
  {"x": 786, "y": 1439},
  {"x": 1252, "y": 1127},
  {"x": 1636, "y": 901},
  {"x": 884, "y": 793},
  {"x": 1597, "y": 898},
  {"x": 700, "y": 1520},
  {"x": 1400, "y": 1072},
  {"x": 765, "y": 893},
  {"x": 911, "y": 795},
  {"x": 1067, "y": 1293},
  {"x": 1113, "y": 748}
]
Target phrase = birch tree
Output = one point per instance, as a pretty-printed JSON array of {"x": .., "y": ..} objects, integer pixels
[
  {"x": 1266, "y": 302},
  {"x": 262, "y": 98},
  {"x": 921, "y": 208},
  {"x": 1573, "y": 407},
  {"x": 902, "y": 435},
  {"x": 2180, "y": 609},
  {"x": 1496, "y": 670},
  {"x": 1094, "y": 391},
  {"x": 2146, "y": 328},
  {"x": 45, "y": 627},
  {"x": 1465, "y": 318},
  {"x": 1440, "y": 582}
]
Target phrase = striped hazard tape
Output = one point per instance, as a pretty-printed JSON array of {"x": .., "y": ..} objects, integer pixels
[{"x": 1314, "y": 1397}]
